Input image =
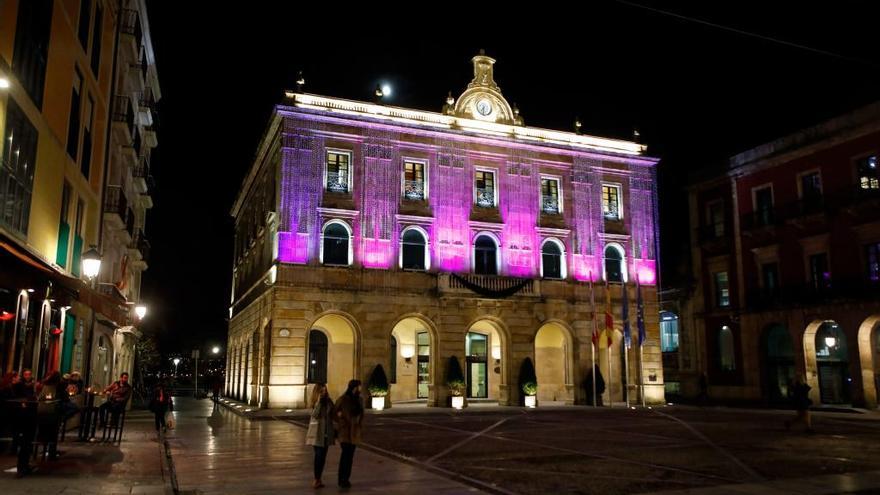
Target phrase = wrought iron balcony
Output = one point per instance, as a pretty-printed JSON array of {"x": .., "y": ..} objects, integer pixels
[
  {"x": 141, "y": 244},
  {"x": 765, "y": 217},
  {"x": 115, "y": 202},
  {"x": 337, "y": 182},
  {"x": 414, "y": 190},
  {"x": 485, "y": 197},
  {"x": 131, "y": 25},
  {"x": 550, "y": 204},
  {"x": 122, "y": 112},
  {"x": 612, "y": 212},
  {"x": 811, "y": 294},
  {"x": 713, "y": 231},
  {"x": 492, "y": 286}
]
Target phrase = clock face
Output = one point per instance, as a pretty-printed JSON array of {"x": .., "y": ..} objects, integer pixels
[{"x": 484, "y": 107}]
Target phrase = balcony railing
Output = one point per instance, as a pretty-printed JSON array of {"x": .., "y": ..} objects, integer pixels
[
  {"x": 122, "y": 112},
  {"x": 136, "y": 143},
  {"x": 142, "y": 169},
  {"x": 116, "y": 202},
  {"x": 494, "y": 286},
  {"x": 485, "y": 197},
  {"x": 712, "y": 232},
  {"x": 129, "y": 222},
  {"x": 761, "y": 218},
  {"x": 550, "y": 204},
  {"x": 414, "y": 190},
  {"x": 810, "y": 294},
  {"x": 131, "y": 25},
  {"x": 146, "y": 100},
  {"x": 140, "y": 243},
  {"x": 337, "y": 182}
]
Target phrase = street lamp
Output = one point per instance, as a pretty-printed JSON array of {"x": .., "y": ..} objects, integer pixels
[
  {"x": 4, "y": 82},
  {"x": 830, "y": 341},
  {"x": 176, "y": 361},
  {"x": 140, "y": 310},
  {"x": 91, "y": 263},
  {"x": 215, "y": 350}
]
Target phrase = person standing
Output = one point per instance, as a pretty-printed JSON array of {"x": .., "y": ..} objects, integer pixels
[
  {"x": 160, "y": 404},
  {"x": 801, "y": 401},
  {"x": 321, "y": 434},
  {"x": 26, "y": 387},
  {"x": 349, "y": 417}
]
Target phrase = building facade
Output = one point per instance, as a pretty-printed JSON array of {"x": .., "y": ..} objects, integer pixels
[
  {"x": 372, "y": 235},
  {"x": 786, "y": 255},
  {"x": 63, "y": 62}
]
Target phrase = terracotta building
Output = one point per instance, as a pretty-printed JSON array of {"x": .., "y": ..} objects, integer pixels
[{"x": 367, "y": 235}]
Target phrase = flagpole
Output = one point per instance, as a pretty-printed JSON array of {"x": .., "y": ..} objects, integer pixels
[
  {"x": 624, "y": 316},
  {"x": 609, "y": 336},
  {"x": 640, "y": 317},
  {"x": 593, "y": 340},
  {"x": 626, "y": 371}
]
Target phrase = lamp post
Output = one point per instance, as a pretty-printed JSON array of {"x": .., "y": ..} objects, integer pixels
[
  {"x": 91, "y": 267},
  {"x": 176, "y": 361},
  {"x": 140, "y": 310}
]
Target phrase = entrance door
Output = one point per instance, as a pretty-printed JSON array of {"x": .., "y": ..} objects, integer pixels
[
  {"x": 833, "y": 364},
  {"x": 780, "y": 372},
  {"x": 477, "y": 377},
  {"x": 424, "y": 360}
]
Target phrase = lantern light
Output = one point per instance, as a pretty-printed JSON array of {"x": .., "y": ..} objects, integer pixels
[
  {"x": 830, "y": 341},
  {"x": 140, "y": 310},
  {"x": 91, "y": 263}
]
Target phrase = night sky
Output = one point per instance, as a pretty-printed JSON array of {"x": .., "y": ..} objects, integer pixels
[{"x": 697, "y": 93}]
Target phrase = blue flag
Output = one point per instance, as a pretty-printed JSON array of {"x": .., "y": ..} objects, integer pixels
[
  {"x": 627, "y": 339},
  {"x": 640, "y": 316}
]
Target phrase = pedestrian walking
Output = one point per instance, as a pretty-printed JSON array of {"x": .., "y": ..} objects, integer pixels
[
  {"x": 349, "y": 417},
  {"x": 801, "y": 401},
  {"x": 216, "y": 389},
  {"x": 160, "y": 404},
  {"x": 320, "y": 434},
  {"x": 600, "y": 386}
]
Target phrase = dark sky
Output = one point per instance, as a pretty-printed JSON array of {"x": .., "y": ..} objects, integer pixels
[{"x": 697, "y": 93}]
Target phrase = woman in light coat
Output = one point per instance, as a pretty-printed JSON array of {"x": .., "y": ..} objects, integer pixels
[{"x": 320, "y": 434}]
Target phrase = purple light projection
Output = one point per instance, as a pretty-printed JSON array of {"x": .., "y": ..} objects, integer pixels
[{"x": 376, "y": 194}]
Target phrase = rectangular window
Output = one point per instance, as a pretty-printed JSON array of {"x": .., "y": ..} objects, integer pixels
[
  {"x": 872, "y": 258},
  {"x": 869, "y": 173},
  {"x": 63, "y": 227},
  {"x": 85, "y": 14},
  {"x": 97, "y": 34},
  {"x": 811, "y": 185},
  {"x": 484, "y": 185},
  {"x": 17, "y": 169},
  {"x": 715, "y": 218},
  {"x": 76, "y": 264},
  {"x": 763, "y": 198},
  {"x": 31, "y": 50},
  {"x": 668, "y": 334},
  {"x": 770, "y": 277},
  {"x": 88, "y": 114},
  {"x": 820, "y": 276},
  {"x": 414, "y": 180},
  {"x": 74, "y": 117},
  {"x": 338, "y": 171},
  {"x": 611, "y": 202},
  {"x": 550, "y": 196},
  {"x": 722, "y": 290}
]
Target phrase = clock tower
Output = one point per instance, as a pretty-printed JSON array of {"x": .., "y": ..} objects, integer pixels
[{"x": 482, "y": 100}]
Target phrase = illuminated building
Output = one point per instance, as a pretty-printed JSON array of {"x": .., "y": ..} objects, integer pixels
[{"x": 368, "y": 234}]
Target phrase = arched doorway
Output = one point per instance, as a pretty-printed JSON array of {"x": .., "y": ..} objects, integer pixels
[
  {"x": 331, "y": 353},
  {"x": 869, "y": 359},
  {"x": 779, "y": 371},
  {"x": 832, "y": 364},
  {"x": 554, "y": 364},
  {"x": 484, "y": 350},
  {"x": 412, "y": 362}
]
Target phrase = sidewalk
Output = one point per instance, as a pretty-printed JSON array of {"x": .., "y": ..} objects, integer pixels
[
  {"x": 837, "y": 484},
  {"x": 216, "y": 451},
  {"x": 132, "y": 467}
]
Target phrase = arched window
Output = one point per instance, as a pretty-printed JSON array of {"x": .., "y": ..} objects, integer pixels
[
  {"x": 317, "y": 357},
  {"x": 552, "y": 259},
  {"x": 485, "y": 256},
  {"x": 726, "y": 353},
  {"x": 615, "y": 268},
  {"x": 393, "y": 370},
  {"x": 336, "y": 244},
  {"x": 668, "y": 331},
  {"x": 414, "y": 250}
]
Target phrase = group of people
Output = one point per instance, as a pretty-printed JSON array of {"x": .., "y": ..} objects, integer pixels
[{"x": 330, "y": 422}]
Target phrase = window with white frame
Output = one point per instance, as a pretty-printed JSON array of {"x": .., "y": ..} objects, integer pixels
[
  {"x": 484, "y": 188},
  {"x": 614, "y": 260},
  {"x": 336, "y": 244},
  {"x": 869, "y": 172},
  {"x": 550, "y": 200},
  {"x": 611, "y": 204},
  {"x": 338, "y": 171},
  {"x": 414, "y": 249},
  {"x": 485, "y": 255},
  {"x": 414, "y": 184},
  {"x": 726, "y": 349},
  {"x": 668, "y": 331},
  {"x": 722, "y": 290},
  {"x": 552, "y": 259}
]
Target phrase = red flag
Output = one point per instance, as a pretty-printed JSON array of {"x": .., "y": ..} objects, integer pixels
[
  {"x": 595, "y": 336},
  {"x": 609, "y": 317}
]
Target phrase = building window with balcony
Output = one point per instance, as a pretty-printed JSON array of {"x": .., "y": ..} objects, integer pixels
[
  {"x": 722, "y": 290},
  {"x": 611, "y": 206},
  {"x": 869, "y": 173},
  {"x": 336, "y": 244},
  {"x": 872, "y": 259},
  {"x": 485, "y": 255},
  {"x": 820, "y": 276},
  {"x": 614, "y": 261},
  {"x": 484, "y": 189},
  {"x": 551, "y": 203},
  {"x": 338, "y": 171},
  {"x": 17, "y": 169},
  {"x": 553, "y": 259},
  {"x": 414, "y": 184},
  {"x": 668, "y": 331},
  {"x": 726, "y": 349},
  {"x": 715, "y": 219},
  {"x": 762, "y": 202},
  {"x": 414, "y": 249}
]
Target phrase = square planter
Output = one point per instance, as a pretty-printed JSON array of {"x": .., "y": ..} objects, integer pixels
[
  {"x": 531, "y": 401},
  {"x": 457, "y": 402},
  {"x": 378, "y": 403}
]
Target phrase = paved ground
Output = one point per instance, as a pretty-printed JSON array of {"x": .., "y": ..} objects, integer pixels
[{"x": 132, "y": 467}]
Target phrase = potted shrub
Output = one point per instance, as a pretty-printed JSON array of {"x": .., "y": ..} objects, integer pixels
[
  {"x": 455, "y": 383},
  {"x": 378, "y": 387},
  {"x": 528, "y": 383}
]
